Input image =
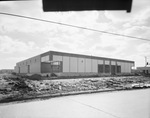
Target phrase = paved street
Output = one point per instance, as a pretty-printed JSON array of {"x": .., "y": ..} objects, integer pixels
[{"x": 122, "y": 104}]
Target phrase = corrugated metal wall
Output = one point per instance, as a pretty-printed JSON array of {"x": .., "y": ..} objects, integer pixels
[
  {"x": 32, "y": 65},
  {"x": 81, "y": 65},
  {"x": 88, "y": 67},
  {"x": 73, "y": 64},
  {"x": 66, "y": 64},
  {"x": 77, "y": 64}
]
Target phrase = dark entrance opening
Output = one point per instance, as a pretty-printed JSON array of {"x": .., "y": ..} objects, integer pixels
[
  {"x": 107, "y": 69},
  {"x": 100, "y": 68},
  {"x": 113, "y": 69},
  {"x": 118, "y": 69}
]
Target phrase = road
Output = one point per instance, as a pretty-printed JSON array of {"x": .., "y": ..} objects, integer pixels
[{"x": 121, "y": 104}]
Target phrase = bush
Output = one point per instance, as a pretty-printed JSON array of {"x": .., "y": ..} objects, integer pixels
[
  {"x": 13, "y": 73},
  {"x": 35, "y": 77}
]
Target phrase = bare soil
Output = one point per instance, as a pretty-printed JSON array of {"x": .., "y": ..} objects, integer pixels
[{"x": 17, "y": 88}]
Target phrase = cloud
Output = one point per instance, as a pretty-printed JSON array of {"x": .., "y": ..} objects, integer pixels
[
  {"x": 9, "y": 45},
  {"x": 144, "y": 49}
]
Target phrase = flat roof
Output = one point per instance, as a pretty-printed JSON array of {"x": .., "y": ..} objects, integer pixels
[
  {"x": 87, "y": 56},
  {"x": 77, "y": 55}
]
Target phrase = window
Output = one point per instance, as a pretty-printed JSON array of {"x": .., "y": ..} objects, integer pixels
[
  {"x": 55, "y": 63},
  {"x": 45, "y": 58}
]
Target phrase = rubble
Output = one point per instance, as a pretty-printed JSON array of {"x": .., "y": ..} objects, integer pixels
[{"x": 13, "y": 88}]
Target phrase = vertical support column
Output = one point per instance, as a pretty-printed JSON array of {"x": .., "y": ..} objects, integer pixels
[
  {"x": 51, "y": 59},
  {"x": 84, "y": 65},
  {"x": 103, "y": 66},
  {"x": 69, "y": 64},
  {"x": 77, "y": 64},
  {"x": 110, "y": 67},
  {"x": 91, "y": 64},
  {"x": 116, "y": 67}
]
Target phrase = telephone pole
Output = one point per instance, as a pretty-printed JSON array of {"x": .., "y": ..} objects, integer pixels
[{"x": 145, "y": 61}]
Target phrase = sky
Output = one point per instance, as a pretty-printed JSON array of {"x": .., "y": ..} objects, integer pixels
[{"x": 24, "y": 38}]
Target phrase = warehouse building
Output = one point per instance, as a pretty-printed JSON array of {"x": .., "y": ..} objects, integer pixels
[{"x": 73, "y": 64}]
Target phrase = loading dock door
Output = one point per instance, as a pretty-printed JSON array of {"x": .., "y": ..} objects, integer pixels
[
  {"x": 118, "y": 69},
  {"x": 107, "y": 69},
  {"x": 113, "y": 68},
  {"x": 100, "y": 68}
]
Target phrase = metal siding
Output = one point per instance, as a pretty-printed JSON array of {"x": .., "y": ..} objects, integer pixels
[
  {"x": 129, "y": 67},
  {"x": 125, "y": 67},
  {"x": 122, "y": 67},
  {"x": 35, "y": 66},
  {"x": 88, "y": 65},
  {"x": 94, "y": 66},
  {"x": 57, "y": 58},
  {"x": 81, "y": 65},
  {"x": 65, "y": 64},
  {"x": 73, "y": 64}
]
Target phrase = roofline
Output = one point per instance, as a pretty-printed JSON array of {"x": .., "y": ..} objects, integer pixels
[
  {"x": 79, "y": 55},
  {"x": 88, "y": 56}
]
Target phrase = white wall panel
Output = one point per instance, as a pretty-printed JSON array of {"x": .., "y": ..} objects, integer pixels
[
  {"x": 57, "y": 58},
  {"x": 127, "y": 67},
  {"x": 88, "y": 65},
  {"x": 35, "y": 65},
  {"x": 65, "y": 64},
  {"x": 73, "y": 64},
  {"x": 122, "y": 67},
  {"x": 130, "y": 67},
  {"x": 100, "y": 61},
  {"x": 94, "y": 65},
  {"x": 81, "y": 65}
]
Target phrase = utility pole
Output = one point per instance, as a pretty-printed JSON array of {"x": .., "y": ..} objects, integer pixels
[{"x": 145, "y": 61}]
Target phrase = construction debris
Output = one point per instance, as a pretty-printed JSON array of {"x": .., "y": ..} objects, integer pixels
[{"x": 13, "y": 87}]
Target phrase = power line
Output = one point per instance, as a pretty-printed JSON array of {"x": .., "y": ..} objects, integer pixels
[{"x": 75, "y": 26}]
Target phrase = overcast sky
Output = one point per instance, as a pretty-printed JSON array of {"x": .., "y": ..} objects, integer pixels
[{"x": 23, "y": 38}]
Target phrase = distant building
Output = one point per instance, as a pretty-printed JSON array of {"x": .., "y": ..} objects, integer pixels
[
  {"x": 145, "y": 70},
  {"x": 6, "y": 70},
  {"x": 73, "y": 64}
]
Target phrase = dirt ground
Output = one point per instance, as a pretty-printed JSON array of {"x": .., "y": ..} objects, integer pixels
[{"x": 14, "y": 88}]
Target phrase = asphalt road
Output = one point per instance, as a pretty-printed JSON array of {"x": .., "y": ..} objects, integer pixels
[{"x": 121, "y": 104}]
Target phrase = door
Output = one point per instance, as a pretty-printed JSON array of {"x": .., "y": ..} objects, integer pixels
[{"x": 113, "y": 69}]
